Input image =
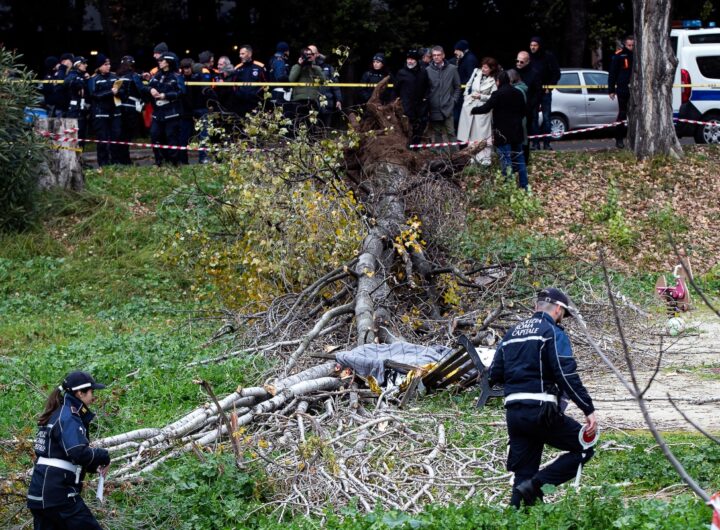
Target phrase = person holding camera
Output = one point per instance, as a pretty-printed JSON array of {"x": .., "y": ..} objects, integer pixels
[
  {"x": 304, "y": 98},
  {"x": 535, "y": 363}
]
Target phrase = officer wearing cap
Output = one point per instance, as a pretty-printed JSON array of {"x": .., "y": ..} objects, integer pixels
[
  {"x": 165, "y": 91},
  {"x": 64, "y": 456},
  {"x": 534, "y": 362}
]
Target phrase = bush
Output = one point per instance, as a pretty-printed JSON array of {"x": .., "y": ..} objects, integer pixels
[{"x": 20, "y": 148}]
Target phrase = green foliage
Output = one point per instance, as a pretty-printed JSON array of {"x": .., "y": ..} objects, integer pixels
[
  {"x": 618, "y": 231},
  {"x": 502, "y": 193},
  {"x": 21, "y": 150},
  {"x": 282, "y": 215}
]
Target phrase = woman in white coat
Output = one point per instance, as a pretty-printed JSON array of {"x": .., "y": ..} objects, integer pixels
[{"x": 473, "y": 128}]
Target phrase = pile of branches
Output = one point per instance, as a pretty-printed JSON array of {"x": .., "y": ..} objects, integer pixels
[{"x": 324, "y": 439}]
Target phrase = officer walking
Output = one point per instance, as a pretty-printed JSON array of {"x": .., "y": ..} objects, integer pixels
[
  {"x": 64, "y": 456},
  {"x": 535, "y": 364}
]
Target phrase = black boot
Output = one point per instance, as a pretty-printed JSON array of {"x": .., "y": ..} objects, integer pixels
[
  {"x": 529, "y": 491},
  {"x": 620, "y": 144}
]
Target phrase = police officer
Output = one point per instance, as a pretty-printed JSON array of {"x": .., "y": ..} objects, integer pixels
[
  {"x": 105, "y": 114},
  {"x": 619, "y": 85},
  {"x": 64, "y": 456},
  {"x": 535, "y": 364},
  {"x": 75, "y": 84},
  {"x": 130, "y": 105},
  {"x": 165, "y": 90},
  {"x": 247, "y": 98}
]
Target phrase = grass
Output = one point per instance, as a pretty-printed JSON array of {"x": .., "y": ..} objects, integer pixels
[{"x": 88, "y": 289}]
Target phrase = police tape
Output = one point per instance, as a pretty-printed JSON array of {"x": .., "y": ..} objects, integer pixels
[
  {"x": 57, "y": 137},
  {"x": 558, "y": 135}
]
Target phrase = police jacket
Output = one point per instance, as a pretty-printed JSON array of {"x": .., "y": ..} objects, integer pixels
[
  {"x": 102, "y": 99},
  {"x": 620, "y": 70},
  {"x": 248, "y": 72},
  {"x": 332, "y": 94},
  {"x": 412, "y": 86},
  {"x": 172, "y": 85},
  {"x": 536, "y": 357},
  {"x": 63, "y": 456},
  {"x": 75, "y": 85},
  {"x": 508, "y": 107},
  {"x": 375, "y": 76},
  {"x": 131, "y": 92},
  {"x": 466, "y": 65}
]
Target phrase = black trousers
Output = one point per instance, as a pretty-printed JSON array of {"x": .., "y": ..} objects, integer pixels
[
  {"x": 529, "y": 433},
  {"x": 166, "y": 132},
  {"x": 75, "y": 516},
  {"x": 621, "y": 130},
  {"x": 107, "y": 129}
]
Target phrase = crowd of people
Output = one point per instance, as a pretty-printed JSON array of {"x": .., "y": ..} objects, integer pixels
[{"x": 445, "y": 99}]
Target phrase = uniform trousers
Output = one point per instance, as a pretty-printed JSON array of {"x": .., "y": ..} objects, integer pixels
[
  {"x": 76, "y": 516},
  {"x": 529, "y": 430}
]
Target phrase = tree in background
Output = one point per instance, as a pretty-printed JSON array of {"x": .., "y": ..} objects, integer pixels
[
  {"x": 651, "y": 130},
  {"x": 21, "y": 150}
]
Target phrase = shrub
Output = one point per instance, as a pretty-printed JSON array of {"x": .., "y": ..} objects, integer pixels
[{"x": 20, "y": 148}]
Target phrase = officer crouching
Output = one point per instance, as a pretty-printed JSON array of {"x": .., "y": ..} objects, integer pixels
[
  {"x": 64, "y": 456},
  {"x": 534, "y": 362}
]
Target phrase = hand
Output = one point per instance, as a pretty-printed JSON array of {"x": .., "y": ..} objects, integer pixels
[
  {"x": 338, "y": 105},
  {"x": 114, "y": 91},
  {"x": 103, "y": 470},
  {"x": 591, "y": 424},
  {"x": 612, "y": 95}
]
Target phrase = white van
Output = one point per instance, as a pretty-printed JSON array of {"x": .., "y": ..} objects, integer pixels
[{"x": 698, "y": 53}]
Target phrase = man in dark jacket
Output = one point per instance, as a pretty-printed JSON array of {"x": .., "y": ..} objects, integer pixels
[
  {"x": 531, "y": 79},
  {"x": 412, "y": 86},
  {"x": 331, "y": 99},
  {"x": 535, "y": 364},
  {"x": 547, "y": 69},
  {"x": 278, "y": 70},
  {"x": 466, "y": 63},
  {"x": 508, "y": 107},
  {"x": 619, "y": 85},
  {"x": 247, "y": 98}
]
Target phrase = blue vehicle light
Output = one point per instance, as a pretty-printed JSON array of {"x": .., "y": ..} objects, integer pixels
[{"x": 691, "y": 24}]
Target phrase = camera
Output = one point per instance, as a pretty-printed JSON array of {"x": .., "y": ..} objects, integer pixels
[{"x": 306, "y": 58}]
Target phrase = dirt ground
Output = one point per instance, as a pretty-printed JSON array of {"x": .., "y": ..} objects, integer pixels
[{"x": 690, "y": 373}]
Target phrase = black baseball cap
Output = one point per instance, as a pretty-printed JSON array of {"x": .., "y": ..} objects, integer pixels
[
  {"x": 555, "y": 296},
  {"x": 80, "y": 381}
]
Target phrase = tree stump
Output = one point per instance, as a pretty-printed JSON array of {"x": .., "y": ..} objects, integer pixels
[{"x": 63, "y": 168}]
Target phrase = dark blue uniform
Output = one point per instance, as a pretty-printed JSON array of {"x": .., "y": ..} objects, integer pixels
[
  {"x": 64, "y": 456},
  {"x": 247, "y": 98},
  {"x": 130, "y": 112},
  {"x": 535, "y": 364},
  {"x": 619, "y": 84},
  {"x": 105, "y": 117},
  {"x": 165, "y": 128},
  {"x": 76, "y": 88}
]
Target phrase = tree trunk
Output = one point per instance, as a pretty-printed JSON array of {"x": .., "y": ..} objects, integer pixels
[
  {"x": 651, "y": 131},
  {"x": 63, "y": 168},
  {"x": 575, "y": 34}
]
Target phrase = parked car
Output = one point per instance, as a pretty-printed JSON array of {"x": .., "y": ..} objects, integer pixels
[
  {"x": 698, "y": 53},
  {"x": 578, "y": 108}
]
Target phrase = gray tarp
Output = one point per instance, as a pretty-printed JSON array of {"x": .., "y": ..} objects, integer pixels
[{"x": 370, "y": 358}]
